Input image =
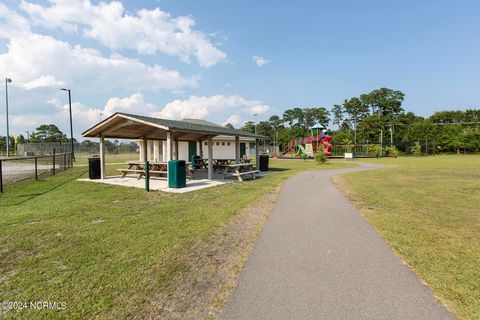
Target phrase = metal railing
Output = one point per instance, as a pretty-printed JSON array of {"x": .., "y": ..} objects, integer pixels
[{"x": 17, "y": 169}]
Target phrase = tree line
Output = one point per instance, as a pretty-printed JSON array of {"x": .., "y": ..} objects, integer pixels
[
  {"x": 377, "y": 117},
  {"x": 51, "y": 133}
]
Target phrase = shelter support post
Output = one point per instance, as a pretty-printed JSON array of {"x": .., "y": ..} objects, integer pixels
[
  {"x": 102, "y": 157},
  {"x": 237, "y": 149},
  {"x": 169, "y": 146},
  {"x": 257, "y": 153},
  {"x": 210, "y": 158},
  {"x": 145, "y": 149},
  {"x": 142, "y": 147},
  {"x": 176, "y": 149}
]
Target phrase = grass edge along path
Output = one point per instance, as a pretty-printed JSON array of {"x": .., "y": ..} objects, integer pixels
[
  {"x": 427, "y": 211},
  {"x": 93, "y": 245}
]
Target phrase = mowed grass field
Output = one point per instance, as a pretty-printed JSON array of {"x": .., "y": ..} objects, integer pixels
[
  {"x": 81, "y": 159},
  {"x": 106, "y": 251},
  {"x": 428, "y": 211}
]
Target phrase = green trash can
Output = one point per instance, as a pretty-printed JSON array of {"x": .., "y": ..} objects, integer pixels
[
  {"x": 177, "y": 174},
  {"x": 194, "y": 161}
]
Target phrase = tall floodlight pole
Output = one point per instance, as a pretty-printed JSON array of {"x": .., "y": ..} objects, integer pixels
[
  {"x": 7, "y": 81},
  {"x": 71, "y": 125}
]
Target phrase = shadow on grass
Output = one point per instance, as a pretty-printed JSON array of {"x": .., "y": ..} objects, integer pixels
[
  {"x": 278, "y": 169},
  {"x": 25, "y": 196}
]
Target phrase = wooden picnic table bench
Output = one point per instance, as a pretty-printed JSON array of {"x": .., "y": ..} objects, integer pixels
[
  {"x": 221, "y": 165},
  {"x": 156, "y": 168},
  {"x": 240, "y": 169}
]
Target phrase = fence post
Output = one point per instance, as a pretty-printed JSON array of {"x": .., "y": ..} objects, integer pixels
[
  {"x": 147, "y": 176},
  {"x": 64, "y": 161},
  {"x": 53, "y": 161},
  {"x": 36, "y": 168},
  {"x": 1, "y": 177}
]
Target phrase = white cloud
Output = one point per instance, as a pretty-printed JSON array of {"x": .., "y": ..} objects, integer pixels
[
  {"x": 133, "y": 104},
  {"x": 260, "y": 61},
  {"x": 258, "y": 109},
  {"x": 200, "y": 107},
  {"x": 146, "y": 31},
  {"x": 43, "y": 81},
  {"x": 235, "y": 108},
  {"x": 233, "y": 120},
  {"x": 34, "y": 61}
]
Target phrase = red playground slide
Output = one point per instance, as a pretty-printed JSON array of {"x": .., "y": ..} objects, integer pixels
[{"x": 326, "y": 144}]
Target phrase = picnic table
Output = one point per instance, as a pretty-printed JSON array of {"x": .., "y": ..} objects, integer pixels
[
  {"x": 222, "y": 164},
  {"x": 159, "y": 169},
  {"x": 239, "y": 170},
  {"x": 201, "y": 163}
]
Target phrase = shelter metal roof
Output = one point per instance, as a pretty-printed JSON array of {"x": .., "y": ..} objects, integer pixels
[{"x": 129, "y": 126}]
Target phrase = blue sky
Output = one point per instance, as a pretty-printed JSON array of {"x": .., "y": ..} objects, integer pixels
[{"x": 174, "y": 59}]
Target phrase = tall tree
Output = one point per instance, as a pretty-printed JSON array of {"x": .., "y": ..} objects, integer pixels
[
  {"x": 385, "y": 102},
  {"x": 337, "y": 112},
  {"x": 248, "y": 126},
  {"x": 356, "y": 110},
  {"x": 48, "y": 133}
]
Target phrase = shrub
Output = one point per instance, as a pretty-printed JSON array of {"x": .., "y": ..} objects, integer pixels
[
  {"x": 416, "y": 149},
  {"x": 391, "y": 151},
  {"x": 320, "y": 157},
  {"x": 304, "y": 156},
  {"x": 347, "y": 145},
  {"x": 374, "y": 150}
]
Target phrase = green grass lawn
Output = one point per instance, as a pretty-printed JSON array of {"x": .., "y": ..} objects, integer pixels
[
  {"x": 99, "y": 247},
  {"x": 428, "y": 211},
  {"x": 82, "y": 158}
]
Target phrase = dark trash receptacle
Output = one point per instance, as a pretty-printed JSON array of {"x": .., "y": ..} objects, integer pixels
[
  {"x": 194, "y": 161},
  {"x": 177, "y": 174},
  {"x": 263, "y": 166},
  {"x": 94, "y": 168}
]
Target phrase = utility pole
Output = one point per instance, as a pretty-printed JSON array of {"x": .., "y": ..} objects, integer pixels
[
  {"x": 7, "y": 81},
  {"x": 381, "y": 137},
  {"x": 71, "y": 125},
  {"x": 391, "y": 134},
  {"x": 355, "y": 131}
]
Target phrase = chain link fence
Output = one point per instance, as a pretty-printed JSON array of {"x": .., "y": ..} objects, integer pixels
[{"x": 17, "y": 169}]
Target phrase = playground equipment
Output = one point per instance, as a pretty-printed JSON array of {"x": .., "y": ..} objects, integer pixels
[{"x": 310, "y": 145}]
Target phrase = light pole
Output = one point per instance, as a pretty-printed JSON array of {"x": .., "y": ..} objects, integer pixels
[
  {"x": 71, "y": 125},
  {"x": 7, "y": 81}
]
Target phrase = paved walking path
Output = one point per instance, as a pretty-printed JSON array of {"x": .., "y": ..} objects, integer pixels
[{"x": 318, "y": 258}]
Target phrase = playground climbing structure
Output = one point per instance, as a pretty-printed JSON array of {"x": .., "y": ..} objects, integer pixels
[{"x": 308, "y": 146}]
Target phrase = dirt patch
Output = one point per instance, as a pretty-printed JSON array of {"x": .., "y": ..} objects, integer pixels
[{"x": 212, "y": 267}]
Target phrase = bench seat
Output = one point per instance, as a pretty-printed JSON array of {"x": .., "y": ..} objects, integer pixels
[{"x": 240, "y": 174}]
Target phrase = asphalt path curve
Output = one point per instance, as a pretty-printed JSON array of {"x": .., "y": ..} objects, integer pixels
[{"x": 318, "y": 258}]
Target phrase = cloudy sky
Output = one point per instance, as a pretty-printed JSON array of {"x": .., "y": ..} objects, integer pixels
[{"x": 227, "y": 60}]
